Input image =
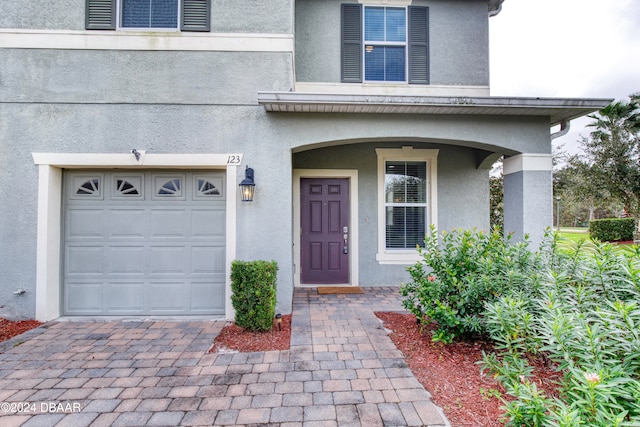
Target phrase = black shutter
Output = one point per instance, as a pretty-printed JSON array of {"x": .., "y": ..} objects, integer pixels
[
  {"x": 351, "y": 36},
  {"x": 196, "y": 15},
  {"x": 418, "y": 45},
  {"x": 100, "y": 15}
]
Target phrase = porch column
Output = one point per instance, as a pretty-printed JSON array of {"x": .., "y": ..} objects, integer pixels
[{"x": 528, "y": 198}]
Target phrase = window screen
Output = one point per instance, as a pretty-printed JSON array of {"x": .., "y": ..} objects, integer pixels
[
  {"x": 150, "y": 13},
  {"x": 385, "y": 33},
  {"x": 195, "y": 15},
  {"x": 405, "y": 187}
]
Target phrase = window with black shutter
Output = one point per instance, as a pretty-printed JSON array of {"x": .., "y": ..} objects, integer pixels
[
  {"x": 187, "y": 15},
  {"x": 351, "y": 43},
  {"x": 381, "y": 43}
]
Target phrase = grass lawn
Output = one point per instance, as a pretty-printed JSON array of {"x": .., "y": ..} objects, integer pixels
[
  {"x": 577, "y": 234},
  {"x": 574, "y": 234}
]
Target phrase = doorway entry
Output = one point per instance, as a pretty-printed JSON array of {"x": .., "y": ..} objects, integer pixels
[{"x": 325, "y": 240}]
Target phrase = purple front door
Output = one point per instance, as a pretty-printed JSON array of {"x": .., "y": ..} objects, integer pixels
[{"x": 324, "y": 219}]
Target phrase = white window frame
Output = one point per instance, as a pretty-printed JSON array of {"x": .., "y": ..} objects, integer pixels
[
  {"x": 119, "y": 26},
  {"x": 404, "y": 44},
  {"x": 430, "y": 157}
]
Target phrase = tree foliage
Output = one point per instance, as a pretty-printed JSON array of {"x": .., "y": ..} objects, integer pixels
[
  {"x": 496, "y": 196},
  {"x": 612, "y": 153},
  {"x": 606, "y": 174}
]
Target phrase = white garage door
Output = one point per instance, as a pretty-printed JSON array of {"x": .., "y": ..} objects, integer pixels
[{"x": 144, "y": 243}]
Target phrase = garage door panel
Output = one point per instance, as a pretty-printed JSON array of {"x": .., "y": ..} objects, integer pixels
[
  {"x": 127, "y": 260},
  {"x": 169, "y": 187},
  {"x": 84, "y": 186},
  {"x": 207, "y": 260},
  {"x": 127, "y": 186},
  {"x": 167, "y": 260},
  {"x": 85, "y": 223},
  {"x": 142, "y": 243},
  {"x": 83, "y": 297},
  {"x": 127, "y": 224},
  {"x": 169, "y": 224},
  {"x": 168, "y": 297},
  {"x": 125, "y": 297},
  {"x": 208, "y": 224},
  {"x": 84, "y": 260},
  {"x": 208, "y": 187},
  {"x": 207, "y": 298}
]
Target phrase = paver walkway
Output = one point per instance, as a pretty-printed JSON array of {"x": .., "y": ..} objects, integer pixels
[{"x": 342, "y": 370}]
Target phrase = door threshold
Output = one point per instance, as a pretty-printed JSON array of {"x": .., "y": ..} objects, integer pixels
[{"x": 320, "y": 285}]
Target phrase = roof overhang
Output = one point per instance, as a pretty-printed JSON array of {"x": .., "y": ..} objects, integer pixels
[{"x": 558, "y": 110}]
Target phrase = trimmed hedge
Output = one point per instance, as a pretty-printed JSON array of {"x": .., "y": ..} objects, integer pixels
[
  {"x": 253, "y": 286},
  {"x": 612, "y": 229}
]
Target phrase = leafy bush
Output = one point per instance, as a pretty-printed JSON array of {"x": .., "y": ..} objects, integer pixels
[
  {"x": 612, "y": 229},
  {"x": 462, "y": 272},
  {"x": 584, "y": 315},
  {"x": 253, "y": 286}
]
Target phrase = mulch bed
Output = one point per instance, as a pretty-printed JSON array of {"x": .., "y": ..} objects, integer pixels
[
  {"x": 451, "y": 373},
  {"x": 235, "y": 338},
  {"x": 11, "y": 328}
]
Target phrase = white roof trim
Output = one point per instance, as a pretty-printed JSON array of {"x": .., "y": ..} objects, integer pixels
[
  {"x": 557, "y": 109},
  {"x": 528, "y": 162}
]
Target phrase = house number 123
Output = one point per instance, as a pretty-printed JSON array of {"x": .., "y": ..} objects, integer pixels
[{"x": 234, "y": 160}]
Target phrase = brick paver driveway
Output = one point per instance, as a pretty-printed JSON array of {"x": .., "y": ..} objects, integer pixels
[{"x": 342, "y": 370}]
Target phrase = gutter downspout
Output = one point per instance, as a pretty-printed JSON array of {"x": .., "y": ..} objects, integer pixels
[
  {"x": 564, "y": 128},
  {"x": 495, "y": 9}
]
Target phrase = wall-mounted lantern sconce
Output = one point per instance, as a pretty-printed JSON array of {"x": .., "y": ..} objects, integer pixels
[{"x": 247, "y": 186}]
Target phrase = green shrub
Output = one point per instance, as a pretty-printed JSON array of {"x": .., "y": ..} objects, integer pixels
[
  {"x": 253, "y": 286},
  {"x": 462, "y": 272},
  {"x": 612, "y": 229},
  {"x": 585, "y": 318}
]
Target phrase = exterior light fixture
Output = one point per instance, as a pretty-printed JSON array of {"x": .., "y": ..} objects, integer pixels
[
  {"x": 279, "y": 321},
  {"x": 247, "y": 186}
]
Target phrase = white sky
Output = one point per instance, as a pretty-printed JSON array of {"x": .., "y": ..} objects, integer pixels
[{"x": 566, "y": 49}]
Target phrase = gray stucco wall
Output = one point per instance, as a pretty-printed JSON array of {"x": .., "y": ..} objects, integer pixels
[
  {"x": 110, "y": 76},
  {"x": 162, "y": 102},
  {"x": 528, "y": 200},
  {"x": 92, "y": 101},
  {"x": 42, "y": 14},
  {"x": 510, "y": 135},
  {"x": 463, "y": 196},
  {"x": 233, "y": 16},
  {"x": 251, "y": 16},
  {"x": 28, "y": 128},
  {"x": 264, "y": 227},
  {"x": 18, "y": 219},
  {"x": 458, "y": 53}
]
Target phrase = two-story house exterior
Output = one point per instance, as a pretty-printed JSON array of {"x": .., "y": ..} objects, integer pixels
[{"x": 126, "y": 127}]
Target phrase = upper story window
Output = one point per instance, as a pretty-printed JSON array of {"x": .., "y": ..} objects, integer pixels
[
  {"x": 185, "y": 15},
  {"x": 385, "y": 44},
  {"x": 149, "y": 13},
  {"x": 385, "y": 40}
]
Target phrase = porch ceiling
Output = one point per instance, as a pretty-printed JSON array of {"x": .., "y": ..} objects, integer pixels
[{"x": 557, "y": 109}]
